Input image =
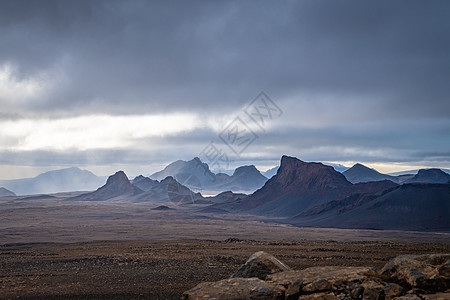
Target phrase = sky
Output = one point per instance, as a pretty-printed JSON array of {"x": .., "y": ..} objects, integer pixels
[{"x": 134, "y": 85}]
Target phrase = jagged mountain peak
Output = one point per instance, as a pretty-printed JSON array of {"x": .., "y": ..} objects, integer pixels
[{"x": 118, "y": 177}]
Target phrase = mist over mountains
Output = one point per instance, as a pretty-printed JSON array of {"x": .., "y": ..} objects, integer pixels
[
  {"x": 64, "y": 180},
  {"x": 197, "y": 176}
]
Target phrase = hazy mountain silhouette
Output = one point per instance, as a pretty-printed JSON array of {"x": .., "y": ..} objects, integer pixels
[
  {"x": 360, "y": 173},
  {"x": 5, "y": 192},
  {"x": 271, "y": 172},
  {"x": 64, "y": 180},
  {"x": 193, "y": 173},
  {"x": 245, "y": 178},
  {"x": 197, "y": 176},
  {"x": 117, "y": 186},
  {"x": 408, "y": 207},
  {"x": 337, "y": 167},
  {"x": 430, "y": 176}
]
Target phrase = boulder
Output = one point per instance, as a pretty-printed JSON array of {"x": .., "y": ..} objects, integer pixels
[
  {"x": 236, "y": 288},
  {"x": 265, "y": 277},
  {"x": 428, "y": 272},
  {"x": 260, "y": 265},
  {"x": 331, "y": 274}
]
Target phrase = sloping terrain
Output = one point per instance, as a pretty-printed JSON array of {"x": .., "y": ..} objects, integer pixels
[{"x": 406, "y": 207}]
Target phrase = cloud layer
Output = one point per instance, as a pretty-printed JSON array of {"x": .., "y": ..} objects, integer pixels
[{"x": 357, "y": 81}]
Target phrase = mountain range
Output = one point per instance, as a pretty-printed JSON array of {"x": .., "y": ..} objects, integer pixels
[
  {"x": 361, "y": 173},
  {"x": 300, "y": 193},
  {"x": 198, "y": 177},
  {"x": 300, "y": 185},
  {"x": 142, "y": 189},
  {"x": 312, "y": 194}
]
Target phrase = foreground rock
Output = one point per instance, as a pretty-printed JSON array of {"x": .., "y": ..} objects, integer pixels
[
  {"x": 237, "y": 288},
  {"x": 428, "y": 272},
  {"x": 265, "y": 277},
  {"x": 260, "y": 265}
]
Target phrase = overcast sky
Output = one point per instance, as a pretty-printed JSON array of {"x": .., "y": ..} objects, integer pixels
[{"x": 133, "y": 85}]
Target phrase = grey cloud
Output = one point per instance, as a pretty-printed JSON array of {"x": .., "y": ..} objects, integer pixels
[
  {"x": 210, "y": 55},
  {"x": 337, "y": 63}
]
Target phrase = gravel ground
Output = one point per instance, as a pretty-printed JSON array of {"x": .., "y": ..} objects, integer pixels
[{"x": 164, "y": 269}]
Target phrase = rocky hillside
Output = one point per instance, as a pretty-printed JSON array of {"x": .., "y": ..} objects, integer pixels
[
  {"x": 298, "y": 186},
  {"x": 407, "y": 207},
  {"x": 116, "y": 186},
  {"x": 412, "y": 277}
]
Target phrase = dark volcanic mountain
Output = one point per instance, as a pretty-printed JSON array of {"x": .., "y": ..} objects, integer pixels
[
  {"x": 64, "y": 180},
  {"x": 298, "y": 186},
  {"x": 170, "y": 190},
  {"x": 430, "y": 176},
  {"x": 407, "y": 207},
  {"x": 360, "y": 173},
  {"x": 271, "y": 172},
  {"x": 117, "y": 186},
  {"x": 5, "y": 192}
]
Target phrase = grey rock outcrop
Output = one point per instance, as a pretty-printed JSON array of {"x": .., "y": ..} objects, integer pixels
[
  {"x": 429, "y": 272},
  {"x": 403, "y": 278},
  {"x": 236, "y": 288}
]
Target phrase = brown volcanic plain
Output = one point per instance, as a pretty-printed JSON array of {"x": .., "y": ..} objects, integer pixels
[{"x": 51, "y": 248}]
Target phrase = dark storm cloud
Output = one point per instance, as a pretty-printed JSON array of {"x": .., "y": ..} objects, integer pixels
[
  {"x": 371, "y": 77},
  {"x": 125, "y": 56}
]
